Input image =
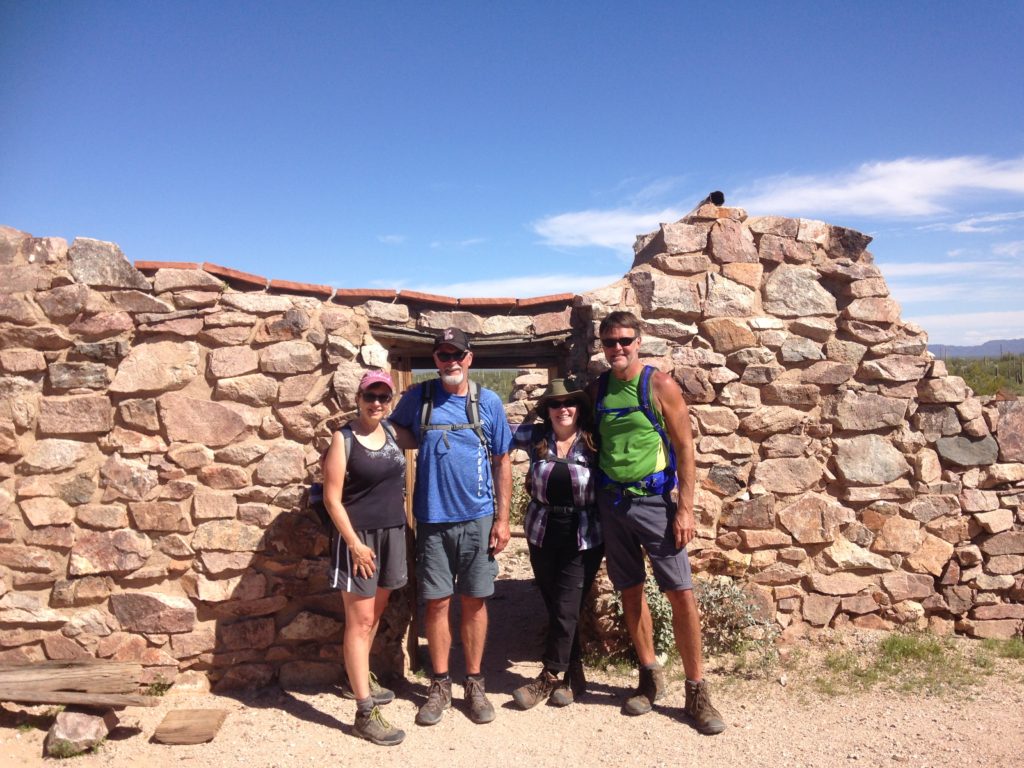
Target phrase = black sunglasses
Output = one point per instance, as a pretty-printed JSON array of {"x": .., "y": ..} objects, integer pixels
[
  {"x": 621, "y": 341},
  {"x": 554, "y": 405},
  {"x": 447, "y": 357},
  {"x": 377, "y": 397}
]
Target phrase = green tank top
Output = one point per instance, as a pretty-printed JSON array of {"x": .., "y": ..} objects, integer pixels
[{"x": 630, "y": 447}]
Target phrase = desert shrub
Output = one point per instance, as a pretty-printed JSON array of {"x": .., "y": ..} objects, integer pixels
[
  {"x": 732, "y": 626},
  {"x": 520, "y": 499}
]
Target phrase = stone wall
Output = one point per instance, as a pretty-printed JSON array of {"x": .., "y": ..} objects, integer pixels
[{"x": 159, "y": 423}]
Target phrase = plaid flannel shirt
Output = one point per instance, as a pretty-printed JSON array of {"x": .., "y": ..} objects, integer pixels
[{"x": 582, "y": 470}]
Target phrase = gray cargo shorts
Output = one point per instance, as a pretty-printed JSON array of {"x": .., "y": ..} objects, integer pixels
[
  {"x": 636, "y": 524},
  {"x": 453, "y": 557}
]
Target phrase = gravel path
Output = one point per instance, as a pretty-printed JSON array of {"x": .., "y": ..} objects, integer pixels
[{"x": 769, "y": 724}]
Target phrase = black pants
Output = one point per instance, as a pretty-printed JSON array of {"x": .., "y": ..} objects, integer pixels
[{"x": 564, "y": 575}]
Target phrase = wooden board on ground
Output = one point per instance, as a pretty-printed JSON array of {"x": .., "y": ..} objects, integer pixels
[
  {"x": 86, "y": 675},
  {"x": 190, "y": 726},
  {"x": 115, "y": 700},
  {"x": 95, "y": 682}
]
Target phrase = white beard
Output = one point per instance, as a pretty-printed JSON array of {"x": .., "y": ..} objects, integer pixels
[{"x": 452, "y": 379}]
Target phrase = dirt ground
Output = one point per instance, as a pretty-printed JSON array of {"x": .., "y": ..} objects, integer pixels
[{"x": 768, "y": 723}]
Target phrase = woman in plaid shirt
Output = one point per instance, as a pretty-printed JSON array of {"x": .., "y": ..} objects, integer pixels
[{"x": 563, "y": 532}]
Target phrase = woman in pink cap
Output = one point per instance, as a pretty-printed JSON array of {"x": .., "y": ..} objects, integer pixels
[{"x": 364, "y": 492}]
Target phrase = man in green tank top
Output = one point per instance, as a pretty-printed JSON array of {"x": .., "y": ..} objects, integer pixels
[{"x": 646, "y": 448}]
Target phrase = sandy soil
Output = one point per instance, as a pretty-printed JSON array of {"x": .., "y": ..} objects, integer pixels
[{"x": 769, "y": 723}]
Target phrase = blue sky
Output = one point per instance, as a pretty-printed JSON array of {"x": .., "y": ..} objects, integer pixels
[{"x": 477, "y": 148}]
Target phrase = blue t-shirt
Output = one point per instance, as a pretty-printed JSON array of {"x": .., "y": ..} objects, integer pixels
[{"x": 453, "y": 476}]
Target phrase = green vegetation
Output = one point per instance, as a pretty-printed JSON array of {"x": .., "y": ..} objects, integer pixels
[
  {"x": 988, "y": 375},
  {"x": 158, "y": 687},
  {"x": 912, "y": 663},
  {"x": 729, "y": 620},
  {"x": 501, "y": 380},
  {"x": 1006, "y": 649},
  {"x": 520, "y": 499}
]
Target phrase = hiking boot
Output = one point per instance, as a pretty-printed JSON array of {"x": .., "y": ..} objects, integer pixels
[
  {"x": 374, "y": 728},
  {"x": 439, "y": 698},
  {"x": 699, "y": 707},
  {"x": 480, "y": 709},
  {"x": 378, "y": 692},
  {"x": 576, "y": 679},
  {"x": 650, "y": 689},
  {"x": 535, "y": 691}
]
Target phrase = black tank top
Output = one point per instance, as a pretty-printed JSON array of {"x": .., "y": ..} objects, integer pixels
[{"x": 374, "y": 494}]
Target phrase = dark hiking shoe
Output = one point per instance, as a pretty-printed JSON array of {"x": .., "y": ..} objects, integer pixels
[
  {"x": 374, "y": 728},
  {"x": 535, "y": 691},
  {"x": 699, "y": 707},
  {"x": 480, "y": 710},
  {"x": 650, "y": 689},
  {"x": 439, "y": 698},
  {"x": 378, "y": 692},
  {"x": 576, "y": 679},
  {"x": 572, "y": 686}
]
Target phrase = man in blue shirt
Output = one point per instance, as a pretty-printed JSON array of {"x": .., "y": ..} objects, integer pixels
[{"x": 461, "y": 505}]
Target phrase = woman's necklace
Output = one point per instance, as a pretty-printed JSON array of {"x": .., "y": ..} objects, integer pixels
[{"x": 563, "y": 446}]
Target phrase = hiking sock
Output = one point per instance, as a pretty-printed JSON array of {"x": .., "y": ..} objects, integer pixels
[{"x": 364, "y": 706}]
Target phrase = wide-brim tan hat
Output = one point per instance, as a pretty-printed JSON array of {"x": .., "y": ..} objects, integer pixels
[{"x": 559, "y": 388}]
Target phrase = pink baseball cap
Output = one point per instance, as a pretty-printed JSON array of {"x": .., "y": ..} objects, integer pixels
[{"x": 376, "y": 377}]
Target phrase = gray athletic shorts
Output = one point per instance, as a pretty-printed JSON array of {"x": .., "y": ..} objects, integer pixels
[
  {"x": 453, "y": 557},
  {"x": 392, "y": 567},
  {"x": 634, "y": 522}
]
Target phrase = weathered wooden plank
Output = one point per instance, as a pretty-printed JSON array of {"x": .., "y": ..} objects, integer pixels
[
  {"x": 86, "y": 675},
  {"x": 33, "y": 696},
  {"x": 190, "y": 726}
]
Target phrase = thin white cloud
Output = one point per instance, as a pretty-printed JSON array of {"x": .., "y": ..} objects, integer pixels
[
  {"x": 521, "y": 286},
  {"x": 469, "y": 242},
  {"x": 937, "y": 268},
  {"x": 912, "y": 186},
  {"x": 391, "y": 239},
  {"x": 1013, "y": 249},
  {"x": 614, "y": 228},
  {"x": 971, "y": 327},
  {"x": 992, "y": 222}
]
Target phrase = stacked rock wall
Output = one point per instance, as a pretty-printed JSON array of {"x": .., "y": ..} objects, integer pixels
[
  {"x": 159, "y": 424},
  {"x": 159, "y": 427},
  {"x": 841, "y": 471}
]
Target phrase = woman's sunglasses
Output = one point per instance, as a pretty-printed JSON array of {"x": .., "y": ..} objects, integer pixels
[
  {"x": 554, "y": 405},
  {"x": 377, "y": 397}
]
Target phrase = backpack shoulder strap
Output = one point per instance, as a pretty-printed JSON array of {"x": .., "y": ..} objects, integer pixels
[
  {"x": 645, "y": 392},
  {"x": 347, "y": 437},
  {"x": 426, "y": 404},
  {"x": 389, "y": 429},
  {"x": 473, "y": 414}
]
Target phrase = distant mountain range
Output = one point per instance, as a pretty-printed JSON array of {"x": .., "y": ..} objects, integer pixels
[{"x": 988, "y": 349}]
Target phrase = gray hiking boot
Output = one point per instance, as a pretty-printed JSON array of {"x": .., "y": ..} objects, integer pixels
[
  {"x": 650, "y": 689},
  {"x": 572, "y": 686},
  {"x": 536, "y": 691},
  {"x": 374, "y": 728},
  {"x": 699, "y": 707},
  {"x": 378, "y": 692},
  {"x": 480, "y": 710},
  {"x": 439, "y": 698}
]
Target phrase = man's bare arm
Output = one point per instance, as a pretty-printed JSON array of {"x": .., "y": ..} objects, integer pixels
[{"x": 677, "y": 423}]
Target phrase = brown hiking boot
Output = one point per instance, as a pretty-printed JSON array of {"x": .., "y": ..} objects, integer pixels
[
  {"x": 572, "y": 686},
  {"x": 480, "y": 710},
  {"x": 378, "y": 692},
  {"x": 439, "y": 698},
  {"x": 374, "y": 728},
  {"x": 650, "y": 689},
  {"x": 699, "y": 707},
  {"x": 535, "y": 691}
]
